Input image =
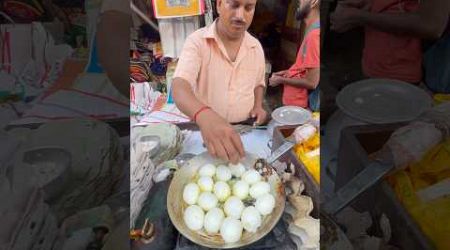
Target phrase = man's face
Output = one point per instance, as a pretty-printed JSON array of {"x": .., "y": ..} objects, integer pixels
[
  {"x": 236, "y": 16},
  {"x": 303, "y": 10}
]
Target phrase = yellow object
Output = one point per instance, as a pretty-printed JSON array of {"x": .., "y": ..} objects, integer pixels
[
  {"x": 157, "y": 49},
  {"x": 433, "y": 217},
  {"x": 312, "y": 163},
  {"x": 316, "y": 115},
  {"x": 164, "y": 8},
  {"x": 441, "y": 98}
]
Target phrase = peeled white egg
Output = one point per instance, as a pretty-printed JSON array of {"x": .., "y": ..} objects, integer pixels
[
  {"x": 259, "y": 189},
  {"x": 222, "y": 190},
  {"x": 207, "y": 170},
  {"x": 207, "y": 201},
  {"x": 231, "y": 230},
  {"x": 213, "y": 220},
  {"x": 240, "y": 189},
  {"x": 223, "y": 173},
  {"x": 251, "y": 219},
  {"x": 205, "y": 183},
  {"x": 193, "y": 217},
  {"x": 237, "y": 170},
  {"x": 190, "y": 193},
  {"x": 233, "y": 207},
  {"x": 265, "y": 204},
  {"x": 251, "y": 176}
]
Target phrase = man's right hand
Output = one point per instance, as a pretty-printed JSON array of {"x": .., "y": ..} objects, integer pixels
[
  {"x": 219, "y": 137},
  {"x": 280, "y": 73}
]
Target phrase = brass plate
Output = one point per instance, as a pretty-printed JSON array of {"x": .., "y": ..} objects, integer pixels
[{"x": 176, "y": 205}]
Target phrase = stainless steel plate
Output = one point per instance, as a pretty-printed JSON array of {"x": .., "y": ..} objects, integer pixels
[
  {"x": 381, "y": 101},
  {"x": 291, "y": 115}
]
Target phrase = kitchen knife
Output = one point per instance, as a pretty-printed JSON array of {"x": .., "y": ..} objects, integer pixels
[{"x": 365, "y": 179}]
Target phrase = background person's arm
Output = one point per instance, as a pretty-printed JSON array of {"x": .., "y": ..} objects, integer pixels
[
  {"x": 428, "y": 22},
  {"x": 310, "y": 81}
]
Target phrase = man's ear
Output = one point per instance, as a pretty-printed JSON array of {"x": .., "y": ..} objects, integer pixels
[{"x": 219, "y": 5}]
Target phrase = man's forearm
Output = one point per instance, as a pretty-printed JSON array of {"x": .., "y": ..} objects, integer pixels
[
  {"x": 299, "y": 82},
  {"x": 185, "y": 98},
  {"x": 259, "y": 96},
  {"x": 428, "y": 22}
]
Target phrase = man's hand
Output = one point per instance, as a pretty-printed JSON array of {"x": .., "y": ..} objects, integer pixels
[
  {"x": 275, "y": 80},
  {"x": 280, "y": 73},
  {"x": 345, "y": 18},
  {"x": 219, "y": 137},
  {"x": 260, "y": 114}
]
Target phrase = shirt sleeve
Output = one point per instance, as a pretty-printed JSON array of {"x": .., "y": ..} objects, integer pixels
[
  {"x": 261, "y": 77},
  {"x": 188, "y": 66},
  {"x": 312, "y": 55}
]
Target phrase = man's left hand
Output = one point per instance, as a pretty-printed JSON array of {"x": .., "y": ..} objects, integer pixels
[
  {"x": 260, "y": 114},
  {"x": 275, "y": 80}
]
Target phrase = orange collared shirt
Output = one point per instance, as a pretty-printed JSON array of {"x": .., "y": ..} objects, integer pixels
[
  {"x": 226, "y": 86},
  {"x": 297, "y": 96},
  {"x": 389, "y": 55}
]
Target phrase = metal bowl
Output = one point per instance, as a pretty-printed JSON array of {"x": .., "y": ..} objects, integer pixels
[{"x": 176, "y": 205}]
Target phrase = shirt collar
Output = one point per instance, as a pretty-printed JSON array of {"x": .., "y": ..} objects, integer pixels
[{"x": 211, "y": 33}]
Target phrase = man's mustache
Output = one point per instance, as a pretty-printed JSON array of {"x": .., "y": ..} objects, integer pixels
[{"x": 238, "y": 22}]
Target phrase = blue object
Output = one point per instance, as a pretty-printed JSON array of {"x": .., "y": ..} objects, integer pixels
[
  {"x": 314, "y": 95},
  {"x": 437, "y": 66},
  {"x": 94, "y": 63},
  {"x": 170, "y": 96}
]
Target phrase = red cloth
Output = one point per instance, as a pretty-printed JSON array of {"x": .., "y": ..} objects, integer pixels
[
  {"x": 307, "y": 58},
  {"x": 388, "y": 55}
]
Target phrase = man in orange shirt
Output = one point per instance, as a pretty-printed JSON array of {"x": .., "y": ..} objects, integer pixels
[
  {"x": 219, "y": 78},
  {"x": 304, "y": 75},
  {"x": 394, "y": 30}
]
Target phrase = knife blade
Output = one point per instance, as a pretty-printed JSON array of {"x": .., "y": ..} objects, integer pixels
[
  {"x": 280, "y": 151},
  {"x": 365, "y": 179}
]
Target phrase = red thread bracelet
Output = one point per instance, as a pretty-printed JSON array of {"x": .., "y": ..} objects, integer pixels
[{"x": 199, "y": 111}]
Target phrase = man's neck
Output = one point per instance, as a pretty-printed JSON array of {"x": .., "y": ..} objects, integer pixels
[
  {"x": 224, "y": 37},
  {"x": 313, "y": 16}
]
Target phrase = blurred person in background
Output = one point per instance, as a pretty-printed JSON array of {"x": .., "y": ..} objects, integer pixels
[
  {"x": 394, "y": 34},
  {"x": 304, "y": 75}
]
